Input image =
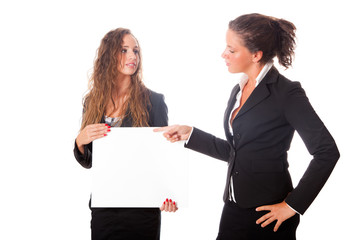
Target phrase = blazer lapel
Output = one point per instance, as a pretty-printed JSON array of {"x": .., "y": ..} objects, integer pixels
[
  {"x": 260, "y": 93},
  {"x": 230, "y": 106}
]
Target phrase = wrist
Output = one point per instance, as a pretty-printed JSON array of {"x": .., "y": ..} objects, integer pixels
[
  {"x": 191, "y": 129},
  {"x": 80, "y": 146},
  {"x": 291, "y": 207}
]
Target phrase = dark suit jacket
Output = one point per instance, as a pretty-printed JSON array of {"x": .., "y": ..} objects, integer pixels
[
  {"x": 157, "y": 118},
  {"x": 257, "y": 152}
]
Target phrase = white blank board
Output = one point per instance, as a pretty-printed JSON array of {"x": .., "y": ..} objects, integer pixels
[{"x": 136, "y": 167}]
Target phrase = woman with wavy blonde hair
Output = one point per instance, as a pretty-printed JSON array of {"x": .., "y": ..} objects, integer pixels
[{"x": 117, "y": 97}]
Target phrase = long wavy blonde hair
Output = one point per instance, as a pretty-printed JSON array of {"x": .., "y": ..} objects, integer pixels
[{"x": 103, "y": 81}]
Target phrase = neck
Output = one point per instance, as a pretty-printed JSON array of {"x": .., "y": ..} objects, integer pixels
[
  {"x": 122, "y": 86},
  {"x": 254, "y": 71}
]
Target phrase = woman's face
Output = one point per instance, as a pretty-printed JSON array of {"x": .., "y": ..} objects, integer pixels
[
  {"x": 128, "y": 58},
  {"x": 237, "y": 57}
]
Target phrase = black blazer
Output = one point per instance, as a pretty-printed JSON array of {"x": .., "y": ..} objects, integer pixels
[
  {"x": 257, "y": 152},
  {"x": 157, "y": 118}
]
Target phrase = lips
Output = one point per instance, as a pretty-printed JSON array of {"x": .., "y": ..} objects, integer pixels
[{"x": 131, "y": 65}]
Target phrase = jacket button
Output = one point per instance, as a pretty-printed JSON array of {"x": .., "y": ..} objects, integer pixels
[
  {"x": 237, "y": 135},
  {"x": 236, "y": 173}
]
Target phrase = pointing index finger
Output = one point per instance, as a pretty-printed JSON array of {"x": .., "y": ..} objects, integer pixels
[{"x": 160, "y": 129}]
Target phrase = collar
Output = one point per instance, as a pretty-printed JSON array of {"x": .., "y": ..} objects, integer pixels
[{"x": 244, "y": 78}]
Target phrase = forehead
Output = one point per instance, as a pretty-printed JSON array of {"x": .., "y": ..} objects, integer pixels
[
  {"x": 129, "y": 41},
  {"x": 233, "y": 39}
]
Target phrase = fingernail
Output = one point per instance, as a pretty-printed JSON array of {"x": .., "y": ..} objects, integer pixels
[
  {"x": 108, "y": 130},
  {"x": 106, "y": 124},
  {"x": 167, "y": 200},
  {"x": 174, "y": 202},
  {"x": 164, "y": 202},
  {"x": 170, "y": 200},
  {"x": 105, "y": 135}
]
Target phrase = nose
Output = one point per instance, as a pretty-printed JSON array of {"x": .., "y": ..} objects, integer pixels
[
  {"x": 223, "y": 55},
  {"x": 131, "y": 55}
]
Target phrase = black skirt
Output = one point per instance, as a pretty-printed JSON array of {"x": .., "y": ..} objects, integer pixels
[{"x": 125, "y": 223}]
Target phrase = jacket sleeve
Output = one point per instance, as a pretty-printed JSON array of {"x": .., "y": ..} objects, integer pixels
[
  {"x": 208, "y": 144},
  {"x": 85, "y": 159},
  {"x": 319, "y": 142}
]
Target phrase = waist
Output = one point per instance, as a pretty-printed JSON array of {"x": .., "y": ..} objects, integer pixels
[{"x": 260, "y": 163}]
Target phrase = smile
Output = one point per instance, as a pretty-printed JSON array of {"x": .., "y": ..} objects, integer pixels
[{"x": 131, "y": 65}]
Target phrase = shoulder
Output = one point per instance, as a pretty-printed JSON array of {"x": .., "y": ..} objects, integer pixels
[
  {"x": 156, "y": 99},
  {"x": 158, "y": 112},
  {"x": 154, "y": 96},
  {"x": 280, "y": 83}
]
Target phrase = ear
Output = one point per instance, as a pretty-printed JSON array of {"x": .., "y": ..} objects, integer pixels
[{"x": 257, "y": 56}]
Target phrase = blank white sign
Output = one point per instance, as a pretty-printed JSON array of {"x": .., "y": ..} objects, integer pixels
[{"x": 136, "y": 167}]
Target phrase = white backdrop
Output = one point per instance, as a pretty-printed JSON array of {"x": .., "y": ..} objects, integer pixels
[{"x": 47, "y": 50}]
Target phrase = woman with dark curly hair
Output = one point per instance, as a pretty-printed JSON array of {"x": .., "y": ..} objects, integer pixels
[
  {"x": 117, "y": 97},
  {"x": 263, "y": 112}
]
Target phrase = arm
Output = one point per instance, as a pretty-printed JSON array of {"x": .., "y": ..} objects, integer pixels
[
  {"x": 208, "y": 144},
  {"x": 300, "y": 114},
  {"x": 199, "y": 141},
  {"x": 84, "y": 158},
  {"x": 83, "y": 142}
]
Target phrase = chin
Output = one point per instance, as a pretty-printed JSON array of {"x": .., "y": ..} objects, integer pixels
[
  {"x": 129, "y": 73},
  {"x": 231, "y": 70}
]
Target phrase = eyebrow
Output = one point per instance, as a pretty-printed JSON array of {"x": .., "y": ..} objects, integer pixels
[{"x": 128, "y": 47}]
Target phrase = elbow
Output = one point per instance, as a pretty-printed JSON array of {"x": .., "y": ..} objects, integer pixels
[
  {"x": 337, "y": 155},
  {"x": 329, "y": 154},
  {"x": 334, "y": 155},
  {"x": 85, "y": 164},
  {"x": 331, "y": 151},
  {"x": 87, "y": 167}
]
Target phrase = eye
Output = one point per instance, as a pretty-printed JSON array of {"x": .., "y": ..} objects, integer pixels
[
  {"x": 136, "y": 51},
  {"x": 123, "y": 50},
  {"x": 231, "y": 51}
]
